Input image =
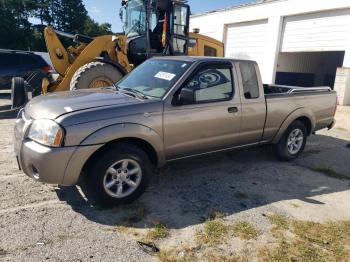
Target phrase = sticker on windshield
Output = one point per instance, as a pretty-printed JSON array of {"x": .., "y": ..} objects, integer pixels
[{"x": 165, "y": 75}]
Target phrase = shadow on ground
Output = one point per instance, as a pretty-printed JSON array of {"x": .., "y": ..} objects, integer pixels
[{"x": 231, "y": 182}]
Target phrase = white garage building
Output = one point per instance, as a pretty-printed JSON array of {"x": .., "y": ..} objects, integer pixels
[{"x": 295, "y": 42}]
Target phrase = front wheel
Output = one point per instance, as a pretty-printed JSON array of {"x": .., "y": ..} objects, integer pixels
[
  {"x": 292, "y": 142},
  {"x": 119, "y": 175}
]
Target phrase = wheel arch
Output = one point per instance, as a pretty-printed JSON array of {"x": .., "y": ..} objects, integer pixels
[
  {"x": 302, "y": 114},
  {"x": 141, "y": 143},
  {"x": 137, "y": 134},
  {"x": 115, "y": 64}
]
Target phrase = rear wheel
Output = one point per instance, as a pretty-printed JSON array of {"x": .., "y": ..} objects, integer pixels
[
  {"x": 119, "y": 175},
  {"x": 17, "y": 92},
  {"x": 292, "y": 142},
  {"x": 95, "y": 75}
]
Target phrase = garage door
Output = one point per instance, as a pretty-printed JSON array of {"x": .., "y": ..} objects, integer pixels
[
  {"x": 325, "y": 31},
  {"x": 246, "y": 40}
]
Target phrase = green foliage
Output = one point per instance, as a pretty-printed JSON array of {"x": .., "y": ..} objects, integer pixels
[{"x": 22, "y": 22}]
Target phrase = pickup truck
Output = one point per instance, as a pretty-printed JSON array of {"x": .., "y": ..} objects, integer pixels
[{"x": 165, "y": 110}]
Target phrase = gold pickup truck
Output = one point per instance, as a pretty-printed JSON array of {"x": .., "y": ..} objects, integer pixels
[{"x": 165, "y": 110}]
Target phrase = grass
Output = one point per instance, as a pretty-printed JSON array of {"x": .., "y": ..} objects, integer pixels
[
  {"x": 279, "y": 221},
  {"x": 191, "y": 254},
  {"x": 330, "y": 172},
  {"x": 183, "y": 254},
  {"x": 215, "y": 257},
  {"x": 215, "y": 214},
  {"x": 307, "y": 241},
  {"x": 159, "y": 231},
  {"x": 213, "y": 233},
  {"x": 245, "y": 230}
]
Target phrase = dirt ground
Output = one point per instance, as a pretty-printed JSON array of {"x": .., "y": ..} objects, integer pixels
[{"x": 47, "y": 223}]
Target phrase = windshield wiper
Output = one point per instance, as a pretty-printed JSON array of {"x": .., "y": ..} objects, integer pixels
[
  {"x": 136, "y": 92},
  {"x": 131, "y": 92}
]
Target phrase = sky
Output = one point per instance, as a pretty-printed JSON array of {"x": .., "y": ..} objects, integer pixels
[{"x": 108, "y": 10}]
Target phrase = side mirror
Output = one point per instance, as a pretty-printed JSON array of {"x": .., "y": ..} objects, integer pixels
[{"x": 186, "y": 97}]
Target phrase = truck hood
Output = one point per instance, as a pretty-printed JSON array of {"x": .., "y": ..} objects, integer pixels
[{"x": 54, "y": 105}]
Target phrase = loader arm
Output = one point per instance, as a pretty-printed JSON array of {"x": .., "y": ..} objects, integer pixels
[
  {"x": 102, "y": 44},
  {"x": 58, "y": 53}
]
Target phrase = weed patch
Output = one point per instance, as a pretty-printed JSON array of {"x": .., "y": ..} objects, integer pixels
[{"x": 245, "y": 230}]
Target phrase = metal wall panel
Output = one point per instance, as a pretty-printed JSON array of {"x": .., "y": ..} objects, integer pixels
[
  {"x": 324, "y": 31},
  {"x": 246, "y": 40}
]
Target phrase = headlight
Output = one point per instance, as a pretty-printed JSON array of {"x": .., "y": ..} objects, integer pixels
[{"x": 46, "y": 132}]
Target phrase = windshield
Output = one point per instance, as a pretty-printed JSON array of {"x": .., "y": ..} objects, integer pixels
[
  {"x": 135, "y": 24},
  {"x": 154, "y": 78}
]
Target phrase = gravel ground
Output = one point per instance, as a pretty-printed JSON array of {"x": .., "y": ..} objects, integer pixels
[{"x": 47, "y": 223}]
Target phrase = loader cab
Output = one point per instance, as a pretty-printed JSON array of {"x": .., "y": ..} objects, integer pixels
[{"x": 155, "y": 28}]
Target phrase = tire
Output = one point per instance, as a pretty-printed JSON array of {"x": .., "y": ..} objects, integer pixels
[
  {"x": 99, "y": 175},
  {"x": 95, "y": 75},
  {"x": 292, "y": 142},
  {"x": 18, "y": 98}
]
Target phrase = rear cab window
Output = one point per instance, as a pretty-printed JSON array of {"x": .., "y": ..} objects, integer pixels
[{"x": 249, "y": 80}]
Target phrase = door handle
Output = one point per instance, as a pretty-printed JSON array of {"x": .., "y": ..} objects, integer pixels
[{"x": 232, "y": 110}]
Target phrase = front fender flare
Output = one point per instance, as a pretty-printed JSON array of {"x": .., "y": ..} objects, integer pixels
[
  {"x": 128, "y": 130},
  {"x": 300, "y": 112}
]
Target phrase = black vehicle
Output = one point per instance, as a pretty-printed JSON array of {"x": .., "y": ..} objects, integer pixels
[{"x": 19, "y": 64}]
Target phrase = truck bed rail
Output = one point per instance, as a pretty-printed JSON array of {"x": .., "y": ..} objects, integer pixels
[
  {"x": 309, "y": 89},
  {"x": 292, "y": 90}
]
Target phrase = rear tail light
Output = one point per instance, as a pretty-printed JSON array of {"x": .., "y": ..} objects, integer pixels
[{"x": 47, "y": 69}]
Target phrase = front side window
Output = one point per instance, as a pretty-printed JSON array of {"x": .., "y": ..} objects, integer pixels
[
  {"x": 211, "y": 84},
  {"x": 250, "y": 80},
  {"x": 154, "y": 78},
  {"x": 135, "y": 24}
]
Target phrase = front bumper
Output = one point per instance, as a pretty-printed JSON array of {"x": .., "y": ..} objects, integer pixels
[{"x": 60, "y": 166}]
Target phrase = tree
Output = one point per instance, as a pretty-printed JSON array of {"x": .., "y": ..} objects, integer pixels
[
  {"x": 15, "y": 30},
  {"x": 23, "y": 21},
  {"x": 92, "y": 28},
  {"x": 71, "y": 16}
]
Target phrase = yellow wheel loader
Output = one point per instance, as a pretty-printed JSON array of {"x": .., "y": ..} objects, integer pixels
[{"x": 152, "y": 28}]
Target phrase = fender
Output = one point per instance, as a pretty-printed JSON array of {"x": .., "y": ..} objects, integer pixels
[
  {"x": 127, "y": 130},
  {"x": 112, "y": 63},
  {"x": 300, "y": 112}
]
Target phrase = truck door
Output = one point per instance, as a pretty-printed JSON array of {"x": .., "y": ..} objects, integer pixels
[
  {"x": 208, "y": 116},
  {"x": 253, "y": 103}
]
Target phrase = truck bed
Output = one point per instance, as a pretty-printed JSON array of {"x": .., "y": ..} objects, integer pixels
[{"x": 281, "y": 101}]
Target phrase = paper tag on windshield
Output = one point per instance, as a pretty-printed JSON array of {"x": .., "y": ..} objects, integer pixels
[{"x": 165, "y": 76}]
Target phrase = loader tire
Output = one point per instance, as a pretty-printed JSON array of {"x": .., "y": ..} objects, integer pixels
[
  {"x": 18, "y": 95},
  {"x": 95, "y": 75}
]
